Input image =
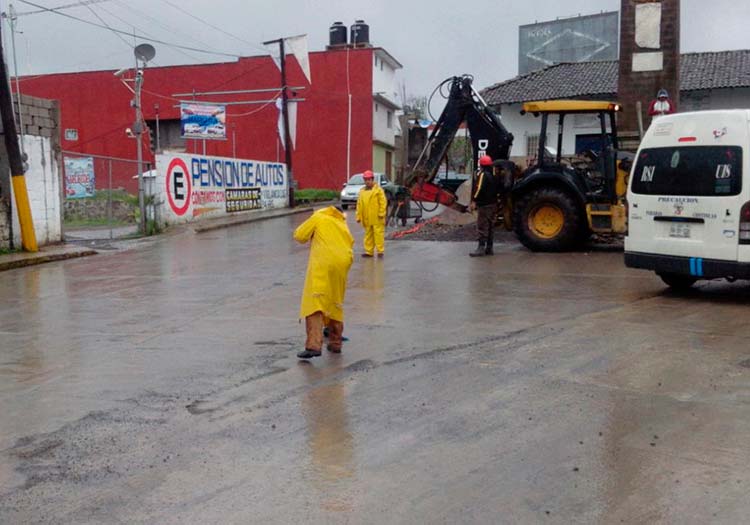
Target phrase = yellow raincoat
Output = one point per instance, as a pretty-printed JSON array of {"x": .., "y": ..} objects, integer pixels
[
  {"x": 371, "y": 208},
  {"x": 330, "y": 259}
]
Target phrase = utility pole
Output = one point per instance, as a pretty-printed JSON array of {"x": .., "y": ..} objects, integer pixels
[
  {"x": 138, "y": 130},
  {"x": 285, "y": 117},
  {"x": 158, "y": 140},
  {"x": 28, "y": 235},
  {"x": 143, "y": 53}
]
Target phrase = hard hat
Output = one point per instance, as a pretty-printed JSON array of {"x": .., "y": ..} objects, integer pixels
[
  {"x": 662, "y": 93},
  {"x": 368, "y": 174},
  {"x": 485, "y": 160}
]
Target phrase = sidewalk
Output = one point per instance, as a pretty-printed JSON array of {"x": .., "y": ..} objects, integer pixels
[
  {"x": 253, "y": 216},
  {"x": 55, "y": 252}
]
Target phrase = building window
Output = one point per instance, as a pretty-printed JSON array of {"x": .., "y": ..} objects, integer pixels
[
  {"x": 381, "y": 65},
  {"x": 376, "y": 61},
  {"x": 532, "y": 146},
  {"x": 389, "y": 119},
  {"x": 376, "y": 107}
]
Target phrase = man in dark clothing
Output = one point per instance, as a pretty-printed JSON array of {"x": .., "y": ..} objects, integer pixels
[{"x": 484, "y": 200}]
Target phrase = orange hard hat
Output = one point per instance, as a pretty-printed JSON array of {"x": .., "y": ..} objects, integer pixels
[
  {"x": 368, "y": 174},
  {"x": 485, "y": 160}
]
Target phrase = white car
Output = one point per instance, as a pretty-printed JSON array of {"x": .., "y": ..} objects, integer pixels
[{"x": 356, "y": 182}]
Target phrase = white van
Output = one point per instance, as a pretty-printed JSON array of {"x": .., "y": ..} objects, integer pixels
[{"x": 689, "y": 198}]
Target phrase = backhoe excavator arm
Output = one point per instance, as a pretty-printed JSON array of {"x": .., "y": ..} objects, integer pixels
[{"x": 488, "y": 137}]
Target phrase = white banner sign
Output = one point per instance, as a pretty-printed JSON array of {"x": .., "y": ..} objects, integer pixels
[{"x": 191, "y": 186}]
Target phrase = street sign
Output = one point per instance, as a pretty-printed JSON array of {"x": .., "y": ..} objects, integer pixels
[{"x": 179, "y": 186}]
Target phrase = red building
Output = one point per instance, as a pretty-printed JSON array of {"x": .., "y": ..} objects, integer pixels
[{"x": 95, "y": 109}]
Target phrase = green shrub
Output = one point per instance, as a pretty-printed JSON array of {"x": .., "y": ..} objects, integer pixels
[{"x": 315, "y": 195}]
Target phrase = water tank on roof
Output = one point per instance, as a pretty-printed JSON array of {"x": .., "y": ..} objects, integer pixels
[
  {"x": 360, "y": 33},
  {"x": 337, "y": 34}
]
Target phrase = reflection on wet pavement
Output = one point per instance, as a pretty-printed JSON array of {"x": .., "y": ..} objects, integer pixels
[{"x": 329, "y": 439}]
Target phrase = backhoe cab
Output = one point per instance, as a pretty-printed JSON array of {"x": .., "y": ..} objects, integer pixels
[{"x": 557, "y": 202}]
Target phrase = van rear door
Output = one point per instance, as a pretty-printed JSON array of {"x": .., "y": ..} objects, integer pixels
[{"x": 686, "y": 199}]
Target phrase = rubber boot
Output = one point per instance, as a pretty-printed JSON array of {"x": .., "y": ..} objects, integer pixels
[
  {"x": 479, "y": 252},
  {"x": 488, "y": 249}
]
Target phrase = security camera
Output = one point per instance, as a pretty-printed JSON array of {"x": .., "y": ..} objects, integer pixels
[
  {"x": 121, "y": 72},
  {"x": 129, "y": 133}
]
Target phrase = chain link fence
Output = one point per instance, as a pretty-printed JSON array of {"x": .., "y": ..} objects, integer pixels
[{"x": 101, "y": 197}]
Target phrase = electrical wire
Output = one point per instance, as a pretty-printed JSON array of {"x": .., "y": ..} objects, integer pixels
[
  {"x": 159, "y": 23},
  {"x": 157, "y": 41},
  {"x": 106, "y": 24},
  {"x": 204, "y": 21}
]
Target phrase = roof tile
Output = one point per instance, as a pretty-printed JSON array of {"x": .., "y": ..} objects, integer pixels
[{"x": 698, "y": 71}]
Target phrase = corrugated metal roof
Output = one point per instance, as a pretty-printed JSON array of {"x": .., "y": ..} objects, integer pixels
[{"x": 698, "y": 71}]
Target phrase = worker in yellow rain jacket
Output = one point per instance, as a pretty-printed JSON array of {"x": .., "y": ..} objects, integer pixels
[
  {"x": 371, "y": 208},
  {"x": 331, "y": 256}
]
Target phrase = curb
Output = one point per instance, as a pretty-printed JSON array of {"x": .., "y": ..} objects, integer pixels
[
  {"x": 249, "y": 219},
  {"x": 31, "y": 260}
]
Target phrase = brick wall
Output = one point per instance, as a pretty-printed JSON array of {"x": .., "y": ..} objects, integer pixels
[{"x": 643, "y": 85}]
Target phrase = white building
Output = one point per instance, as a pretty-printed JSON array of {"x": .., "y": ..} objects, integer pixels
[
  {"x": 714, "y": 80},
  {"x": 384, "y": 121}
]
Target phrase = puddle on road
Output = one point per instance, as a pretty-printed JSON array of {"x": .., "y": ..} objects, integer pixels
[{"x": 331, "y": 445}]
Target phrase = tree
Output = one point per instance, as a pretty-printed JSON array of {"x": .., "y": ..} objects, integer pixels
[{"x": 460, "y": 154}]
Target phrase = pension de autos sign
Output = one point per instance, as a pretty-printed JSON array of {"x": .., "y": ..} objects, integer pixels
[{"x": 198, "y": 185}]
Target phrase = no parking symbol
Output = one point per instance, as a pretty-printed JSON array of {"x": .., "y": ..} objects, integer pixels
[{"x": 179, "y": 186}]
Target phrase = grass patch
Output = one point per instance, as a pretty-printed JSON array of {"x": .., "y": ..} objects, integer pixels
[
  {"x": 315, "y": 195},
  {"x": 93, "y": 223},
  {"x": 117, "y": 195},
  {"x": 8, "y": 251}
]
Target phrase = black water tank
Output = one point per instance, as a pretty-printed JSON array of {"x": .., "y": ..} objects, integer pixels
[
  {"x": 360, "y": 33},
  {"x": 338, "y": 34}
]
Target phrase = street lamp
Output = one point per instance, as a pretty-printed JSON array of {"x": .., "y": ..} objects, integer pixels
[{"x": 143, "y": 54}]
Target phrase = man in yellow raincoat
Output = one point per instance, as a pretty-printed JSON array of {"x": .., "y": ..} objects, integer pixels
[
  {"x": 371, "y": 208},
  {"x": 331, "y": 256}
]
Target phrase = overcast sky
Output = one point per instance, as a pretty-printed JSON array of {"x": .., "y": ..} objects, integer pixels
[{"x": 433, "y": 39}]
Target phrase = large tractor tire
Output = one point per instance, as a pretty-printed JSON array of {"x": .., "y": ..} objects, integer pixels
[{"x": 548, "y": 220}]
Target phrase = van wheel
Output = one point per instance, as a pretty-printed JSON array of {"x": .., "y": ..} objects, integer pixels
[
  {"x": 548, "y": 220},
  {"x": 345, "y": 206},
  {"x": 677, "y": 281}
]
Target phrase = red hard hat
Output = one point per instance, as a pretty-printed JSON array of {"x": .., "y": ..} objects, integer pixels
[
  {"x": 368, "y": 174},
  {"x": 485, "y": 160}
]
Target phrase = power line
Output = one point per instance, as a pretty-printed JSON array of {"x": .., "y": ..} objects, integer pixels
[
  {"x": 203, "y": 21},
  {"x": 110, "y": 13},
  {"x": 188, "y": 48},
  {"x": 155, "y": 20},
  {"x": 106, "y": 24},
  {"x": 61, "y": 7}
]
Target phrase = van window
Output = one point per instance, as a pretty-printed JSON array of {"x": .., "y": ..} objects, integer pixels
[{"x": 691, "y": 170}]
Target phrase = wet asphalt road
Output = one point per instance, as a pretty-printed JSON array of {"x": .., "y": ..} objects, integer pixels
[{"x": 159, "y": 385}]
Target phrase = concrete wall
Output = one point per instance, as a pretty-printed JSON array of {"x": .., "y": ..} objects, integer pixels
[
  {"x": 43, "y": 182},
  {"x": 41, "y": 140},
  {"x": 383, "y": 77},
  {"x": 187, "y": 187},
  {"x": 380, "y": 130}
]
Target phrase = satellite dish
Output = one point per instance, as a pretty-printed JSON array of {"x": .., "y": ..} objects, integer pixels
[{"x": 144, "y": 52}]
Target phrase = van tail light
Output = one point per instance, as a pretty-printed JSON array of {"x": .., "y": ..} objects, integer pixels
[{"x": 745, "y": 224}]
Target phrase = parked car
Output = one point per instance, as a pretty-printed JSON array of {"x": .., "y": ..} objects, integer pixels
[
  {"x": 356, "y": 182},
  {"x": 450, "y": 180}
]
